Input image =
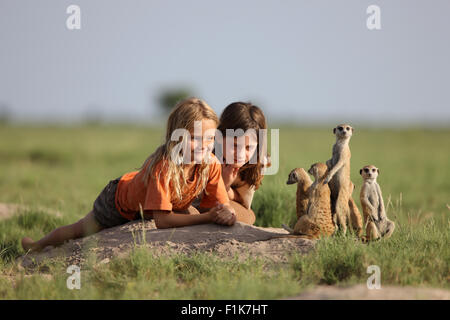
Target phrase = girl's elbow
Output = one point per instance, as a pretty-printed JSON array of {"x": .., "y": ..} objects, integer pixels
[
  {"x": 161, "y": 221},
  {"x": 160, "y": 224}
]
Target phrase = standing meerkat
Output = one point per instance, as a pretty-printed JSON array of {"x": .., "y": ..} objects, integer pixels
[
  {"x": 376, "y": 222},
  {"x": 317, "y": 221},
  {"x": 299, "y": 176},
  {"x": 342, "y": 204}
]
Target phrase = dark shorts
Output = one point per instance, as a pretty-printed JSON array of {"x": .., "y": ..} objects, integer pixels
[{"x": 105, "y": 210}]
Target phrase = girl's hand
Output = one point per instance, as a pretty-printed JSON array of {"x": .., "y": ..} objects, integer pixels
[
  {"x": 227, "y": 215},
  {"x": 214, "y": 212},
  {"x": 223, "y": 214},
  {"x": 229, "y": 174}
]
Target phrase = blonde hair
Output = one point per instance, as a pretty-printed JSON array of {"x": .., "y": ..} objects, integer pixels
[{"x": 183, "y": 116}]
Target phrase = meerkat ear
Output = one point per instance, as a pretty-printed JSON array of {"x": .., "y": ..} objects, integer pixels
[
  {"x": 334, "y": 130},
  {"x": 353, "y": 130},
  {"x": 360, "y": 171},
  {"x": 378, "y": 171}
]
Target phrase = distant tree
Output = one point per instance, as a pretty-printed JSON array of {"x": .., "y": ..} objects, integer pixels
[
  {"x": 169, "y": 98},
  {"x": 93, "y": 116}
]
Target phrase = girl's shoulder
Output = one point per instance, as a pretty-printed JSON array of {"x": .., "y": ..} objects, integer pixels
[
  {"x": 245, "y": 192},
  {"x": 159, "y": 168},
  {"x": 213, "y": 159},
  {"x": 239, "y": 183},
  {"x": 213, "y": 167}
]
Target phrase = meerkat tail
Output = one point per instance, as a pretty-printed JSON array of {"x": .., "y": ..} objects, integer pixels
[{"x": 285, "y": 227}]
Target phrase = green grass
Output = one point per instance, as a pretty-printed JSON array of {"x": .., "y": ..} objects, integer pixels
[{"x": 64, "y": 169}]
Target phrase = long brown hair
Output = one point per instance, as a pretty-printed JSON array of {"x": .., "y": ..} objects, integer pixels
[
  {"x": 183, "y": 116},
  {"x": 244, "y": 115}
]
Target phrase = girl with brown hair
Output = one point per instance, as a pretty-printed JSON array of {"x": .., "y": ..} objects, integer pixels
[{"x": 242, "y": 161}]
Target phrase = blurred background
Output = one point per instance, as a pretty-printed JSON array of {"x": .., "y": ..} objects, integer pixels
[{"x": 302, "y": 62}]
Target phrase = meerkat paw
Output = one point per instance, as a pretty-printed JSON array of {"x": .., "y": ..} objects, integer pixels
[
  {"x": 364, "y": 239},
  {"x": 389, "y": 229}
]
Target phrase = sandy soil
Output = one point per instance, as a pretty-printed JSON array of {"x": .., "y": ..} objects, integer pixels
[
  {"x": 361, "y": 292},
  {"x": 240, "y": 240}
]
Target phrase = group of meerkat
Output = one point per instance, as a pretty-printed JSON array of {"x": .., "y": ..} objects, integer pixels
[{"x": 326, "y": 205}]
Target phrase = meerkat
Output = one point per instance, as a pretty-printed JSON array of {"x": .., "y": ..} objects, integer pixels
[
  {"x": 377, "y": 224},
  {"x": 338, "y": 178},
  {"x": 317, "y": 220},
  {"x": 303, "y": 181}
]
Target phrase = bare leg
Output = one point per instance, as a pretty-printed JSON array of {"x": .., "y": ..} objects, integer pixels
[
  {"x": 242, "y": 213},
  {"x": 84, "y": 227}
]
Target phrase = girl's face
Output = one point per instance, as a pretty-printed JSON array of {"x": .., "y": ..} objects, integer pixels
[
  {"x": 203, "y": 143},
  {"x": 239, "y": 150}
]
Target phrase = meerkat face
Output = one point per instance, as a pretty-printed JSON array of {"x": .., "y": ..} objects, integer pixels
[
  {"x": 318, "y": 170},
  {"x": 369, "y": 172},
  {"x": 343, "y": 131},
  {"x": 292, "y": 178},
  {"x": 296, "y": 175}
]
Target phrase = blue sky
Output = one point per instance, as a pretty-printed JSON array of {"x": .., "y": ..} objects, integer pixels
[{"x": 301, "y": 61}]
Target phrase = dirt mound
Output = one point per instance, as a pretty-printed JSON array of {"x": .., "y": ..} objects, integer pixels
[
  {"x": 361, "y": 292},
  {"x": 240, "y": 240}
]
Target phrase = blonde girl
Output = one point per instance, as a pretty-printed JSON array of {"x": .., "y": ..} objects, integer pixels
[{"x": 165, "y": 185}]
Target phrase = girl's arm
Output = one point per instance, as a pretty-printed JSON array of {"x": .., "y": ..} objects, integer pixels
[
  {"x": 233, "y": 195},
  {"x": 221, "y": 214},
  {"x": 244, "y": 195},
  {"x": 163, "y": 219}
]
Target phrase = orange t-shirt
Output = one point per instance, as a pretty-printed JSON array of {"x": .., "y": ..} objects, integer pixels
[{"x": 131, "y": 191}]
